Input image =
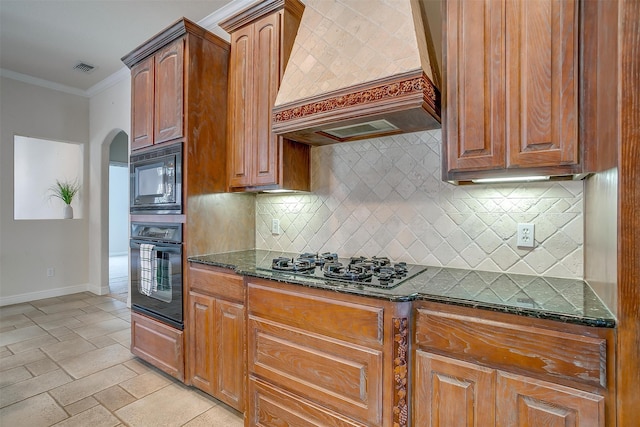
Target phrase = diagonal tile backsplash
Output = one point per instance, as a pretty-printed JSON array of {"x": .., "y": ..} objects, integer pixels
[{"x": 385, "y": 197}]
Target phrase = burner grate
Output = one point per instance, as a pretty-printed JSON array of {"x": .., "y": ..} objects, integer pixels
[
  {"x": 290, "y": 264},
  {"x": 351, "y": 272},
  {"x": 373, "y": 271}
]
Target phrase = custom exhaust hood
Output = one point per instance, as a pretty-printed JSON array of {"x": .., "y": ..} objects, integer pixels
[{"x": 361, "y": 69}]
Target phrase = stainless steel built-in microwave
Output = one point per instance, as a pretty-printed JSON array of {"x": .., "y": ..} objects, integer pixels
[{"x": 156, "y": 181}]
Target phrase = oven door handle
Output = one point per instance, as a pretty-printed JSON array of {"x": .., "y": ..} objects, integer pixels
[{"x": 171, "y": 248}]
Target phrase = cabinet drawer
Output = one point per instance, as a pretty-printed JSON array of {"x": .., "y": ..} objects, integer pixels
[
  {"x": 344, "y": 377},
  {"x": 528, "y": 349},
  {"x": 158, "y": 344},
  {"x": 344, "y": 320},
  {"x": 216, "y": 281},
  {"x": 271, "y": 406}
]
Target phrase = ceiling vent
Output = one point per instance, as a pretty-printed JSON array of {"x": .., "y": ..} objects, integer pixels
[{"x": 84, "y": 67}]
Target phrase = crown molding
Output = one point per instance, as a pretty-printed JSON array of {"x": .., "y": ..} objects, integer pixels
[
  {"x": 43, "y": 83},
  {"x": 211, "y": 22}
]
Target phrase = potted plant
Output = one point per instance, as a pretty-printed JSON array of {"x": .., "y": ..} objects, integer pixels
[{"x": 65, "y": 191}]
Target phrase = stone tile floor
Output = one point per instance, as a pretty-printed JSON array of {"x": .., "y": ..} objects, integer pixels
[
  {"x": 119, "y": 277},
  {"x": 65, "y": 361}
]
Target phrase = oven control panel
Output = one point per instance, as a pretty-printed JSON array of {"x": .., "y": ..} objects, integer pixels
[{"x": 163, "y": 232}]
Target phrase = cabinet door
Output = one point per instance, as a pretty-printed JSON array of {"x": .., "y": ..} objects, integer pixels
[
  {"x": 542, "y": 76},
  {"x": 169, "y": 69},
  {"x": 523, "y": 401},
  {"x": 267, "y": 82},
  {"x": 142, "y": 104},
  {"x": 229, "y": 367},
  {"x": 474, "y": 117},
  {"x": 450, "y": 392},
  {"x": 201, "y": 341},
  {"x": 240, "y": 110}
]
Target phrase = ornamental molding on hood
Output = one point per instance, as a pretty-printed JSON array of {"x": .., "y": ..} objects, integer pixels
[{"x": 411, "y": 85}]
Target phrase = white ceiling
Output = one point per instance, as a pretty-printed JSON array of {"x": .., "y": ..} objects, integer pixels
[{"x": 45, "y": 39}]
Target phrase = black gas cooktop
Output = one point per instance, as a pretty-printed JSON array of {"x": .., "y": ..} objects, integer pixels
[{"x": 374, "y": 271}]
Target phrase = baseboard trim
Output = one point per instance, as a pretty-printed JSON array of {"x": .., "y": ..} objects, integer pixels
[
  {"x": 49, "y": 293},
  {"x": 98, "y": 290}
]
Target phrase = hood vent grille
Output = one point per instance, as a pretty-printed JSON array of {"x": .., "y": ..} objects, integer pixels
[{"x": 361, "y": 130}]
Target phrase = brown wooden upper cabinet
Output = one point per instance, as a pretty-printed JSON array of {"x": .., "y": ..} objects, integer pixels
[
  {"x": 161, "y": 70},
  {"x": 179, "y": 94},
  {"x": 261, "y": 41},
  {"x": 511, "y": 88},
  {"x": 157, "y": 97}
]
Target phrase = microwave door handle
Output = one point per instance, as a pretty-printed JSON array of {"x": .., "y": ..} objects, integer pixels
[
  {"x": 163, "y": 191},
  {"x": 166, "y": 182}
]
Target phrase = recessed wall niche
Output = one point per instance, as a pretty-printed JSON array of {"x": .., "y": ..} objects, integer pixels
[{"x": 38, "y": 163}]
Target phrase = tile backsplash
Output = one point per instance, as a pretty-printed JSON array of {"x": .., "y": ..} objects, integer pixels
[{"x": 384, "y": 197}]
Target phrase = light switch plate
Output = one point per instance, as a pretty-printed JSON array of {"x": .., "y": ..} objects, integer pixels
[{"x": 526, "y": 235}]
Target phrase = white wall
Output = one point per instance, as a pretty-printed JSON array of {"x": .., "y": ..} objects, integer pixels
[
  {"x": 110, "y": 113},
  {"x": 119, "y": 195},
  {"x": 119, "y": 149},
  {"x": 28, "y": 248},
  {"x": 118, "y": 210}
]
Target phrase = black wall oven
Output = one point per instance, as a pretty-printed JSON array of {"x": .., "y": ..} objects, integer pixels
[
  {"x": 156, "y": 271},
  {"x": 156, "y": 181}
]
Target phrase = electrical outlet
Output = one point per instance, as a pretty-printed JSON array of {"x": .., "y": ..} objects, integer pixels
[
  {"x": 526, "y": 235},
  {"x": 275, "y": 226},
  {"x": 51, "y": 272}
]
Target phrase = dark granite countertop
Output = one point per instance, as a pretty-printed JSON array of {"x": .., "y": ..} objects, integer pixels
[{"x": 565, "y": 300}]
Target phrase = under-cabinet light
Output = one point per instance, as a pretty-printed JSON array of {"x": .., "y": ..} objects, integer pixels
[
  {"x": 279, "y": 191},
  {"x": 510, "y": 179}
]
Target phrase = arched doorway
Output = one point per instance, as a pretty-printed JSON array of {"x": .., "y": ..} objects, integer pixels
[{"x": 118, "y": 217}]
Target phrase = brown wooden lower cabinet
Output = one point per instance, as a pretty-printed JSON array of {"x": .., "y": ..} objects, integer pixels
[
  {"x": 200, "y": 342},
  {"x": 217, "y": 334},
  {"x": 290, "y": 355},
  {"x": 158, "y": 344},
  {"x": 478, "y": 368},
  {"x": 523, "y": 401},
  {"x": 450, "y": 392},
  {"x": 315, "y": 358}
]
